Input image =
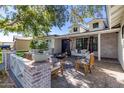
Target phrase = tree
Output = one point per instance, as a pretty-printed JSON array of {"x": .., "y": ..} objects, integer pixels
[
  {"x": 38, "y": 20},
  {"x": 32, "y": 20},
  {"x": 78, "y": 13}
]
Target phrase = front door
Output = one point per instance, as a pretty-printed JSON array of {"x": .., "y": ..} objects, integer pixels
[{"x": 65, "y": 45}]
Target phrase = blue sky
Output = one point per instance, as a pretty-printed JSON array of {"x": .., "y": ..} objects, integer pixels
[{"x": 54, "y": 30}]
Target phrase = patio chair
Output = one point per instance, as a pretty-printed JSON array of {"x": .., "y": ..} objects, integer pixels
[
  {"x": 88, "y": 66},
  {"x": 56, "y": 67}
]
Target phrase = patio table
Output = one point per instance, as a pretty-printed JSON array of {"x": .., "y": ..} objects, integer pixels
[{"x": 62, "y": 62}]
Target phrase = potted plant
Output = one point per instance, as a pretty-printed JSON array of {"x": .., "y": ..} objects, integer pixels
[
  {"x": 40, "y": 55},
  {"x": 33, "y": 46}
]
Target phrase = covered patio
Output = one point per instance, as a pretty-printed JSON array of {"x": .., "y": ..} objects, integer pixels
[
  {"x": 106, "y": 43},
  {"x": 107, "y": 73}
]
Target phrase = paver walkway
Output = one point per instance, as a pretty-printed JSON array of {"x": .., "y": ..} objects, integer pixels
[{"x": 107, "y": 74}]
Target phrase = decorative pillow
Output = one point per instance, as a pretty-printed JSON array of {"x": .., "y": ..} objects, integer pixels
[
  {"x": 88, "y": 56},
  {"x": 75, "y": 50},
  {"x": 82, "y": 51}
]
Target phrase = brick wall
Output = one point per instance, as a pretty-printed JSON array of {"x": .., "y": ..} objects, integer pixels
[{"x": 31, "y": 74}]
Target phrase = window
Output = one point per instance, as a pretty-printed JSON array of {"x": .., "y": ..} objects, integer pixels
[
  {"x": 95, "y": 25},
  {"x": 75, "y": 29},
  {"x": 123, "y": 32},
  {"x": 82, "y": 43}
]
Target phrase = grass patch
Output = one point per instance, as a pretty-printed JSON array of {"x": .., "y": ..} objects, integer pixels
[
  {"x": 0, "y": 57},
  {"x": 20, "y": 53}
]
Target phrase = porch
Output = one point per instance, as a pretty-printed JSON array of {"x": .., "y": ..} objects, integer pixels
[
  {"x": 104, "y": 43},
  {"x": 108, "y": 73}
]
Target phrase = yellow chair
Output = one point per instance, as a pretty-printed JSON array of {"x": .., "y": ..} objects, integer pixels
[{"x": 88, "y": 67}]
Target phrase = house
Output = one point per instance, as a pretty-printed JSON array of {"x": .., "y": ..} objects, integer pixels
[
  {"x": 77, "y": 28},
  {"x": 5, "y": 45},
  {"x": 21, "y": 43},
  {"x": 105, "y": 36},
  {"x": 97, "y": 24}
]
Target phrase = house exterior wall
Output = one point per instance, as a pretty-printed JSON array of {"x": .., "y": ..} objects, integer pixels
[
  {"x": 79, "y": 29},
  {"x": 101, "y": 25},
  {"x": 0, "y": 43},
  {"x": 72, "y": 31},
  {"x": 22, "y": 45},
  {"x": 121, "y": 46},
  {"x": 82, "y": 30},
  {"x": 57, "y": 45},
  {"x": 109, "y": 45}
]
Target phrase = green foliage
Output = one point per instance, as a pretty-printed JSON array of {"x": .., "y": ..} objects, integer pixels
[
  {"x": 78, "y": 13},
  {"x": 0, "y": 50},
  {"x": 33, "y": 44},
  {"x": 0, "y": 57},
  {"x": 42, "y": 45},
  {"x": 33, "y": 20},
  {"x": 20, "y": 53},
  {"x": 39, "y": 44}
]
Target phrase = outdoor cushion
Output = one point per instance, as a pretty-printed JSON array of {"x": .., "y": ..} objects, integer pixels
[{"x": 83, "y": 51}]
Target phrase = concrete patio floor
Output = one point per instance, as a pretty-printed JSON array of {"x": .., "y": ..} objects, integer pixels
[
  {"x": 107, "y": 74},
  {"x": 6, "y": 81}
]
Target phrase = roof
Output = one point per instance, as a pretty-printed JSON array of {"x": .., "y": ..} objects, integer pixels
[
  {"x": 81, "y": 25},
  {"x": 104, "y": 19},
  {"x": 115, "y": 14},
  {"x": 22, "y": 38},
  {"x": 90, "y": 33}
]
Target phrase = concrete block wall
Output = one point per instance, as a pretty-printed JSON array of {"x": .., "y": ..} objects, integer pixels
[{"x": 109, "y": 45}]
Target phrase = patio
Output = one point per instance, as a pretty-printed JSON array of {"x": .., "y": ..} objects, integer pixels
[{"x": 108, "y": 73}]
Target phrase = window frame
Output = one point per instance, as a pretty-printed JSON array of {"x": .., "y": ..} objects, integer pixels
[
  {"x": 123, "y": 32},
  {"x": 81, "y": 43},
  {"x": 96, "y": 26},
  {"x": 75, "y": 28}
]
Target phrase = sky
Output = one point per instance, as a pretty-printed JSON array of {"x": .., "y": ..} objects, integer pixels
[{"x": 54, "y": 30}]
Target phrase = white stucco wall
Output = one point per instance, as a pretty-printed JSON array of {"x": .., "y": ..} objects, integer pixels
[
  {"x": 121, "y": 46},
  {"x": 82, "y": 29},
  {"x": 101, "y": 25},
  {"x": 57, "y": 45},
  {"x": 79, "y": 29}
]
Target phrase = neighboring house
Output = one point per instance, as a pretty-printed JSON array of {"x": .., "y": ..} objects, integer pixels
[
  {"x": 104, "y": 38},
  {"x": 6, "y": 44},
  {"x": 21, "y": 43},
  {"x": 0, "y": 43}
]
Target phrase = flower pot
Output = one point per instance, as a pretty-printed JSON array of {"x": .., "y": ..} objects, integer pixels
[
  {"x": 37, "y": 57},
  {"x": 34, "y": 50}
]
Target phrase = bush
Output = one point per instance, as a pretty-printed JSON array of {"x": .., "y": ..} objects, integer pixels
[
  {"x": 0, "y": 50},
  {"x": 33, "y": 44},
  {"x": 20, "y": 53},
  {"x": 42, "y": 45},
  {"x": 38, "y": 44}
]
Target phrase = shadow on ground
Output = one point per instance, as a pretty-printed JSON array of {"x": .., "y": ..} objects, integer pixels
[{"x": 106, "y": 74}]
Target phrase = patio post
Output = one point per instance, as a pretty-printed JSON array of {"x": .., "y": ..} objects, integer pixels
[{"x": 99, "y": 47}]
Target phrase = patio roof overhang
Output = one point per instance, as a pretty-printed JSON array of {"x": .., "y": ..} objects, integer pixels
[{"x": 89, "y": 33}]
